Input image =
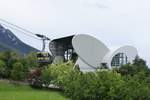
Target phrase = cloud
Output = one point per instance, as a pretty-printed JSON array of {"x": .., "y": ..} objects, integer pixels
[{"x": 95, "y": 3}]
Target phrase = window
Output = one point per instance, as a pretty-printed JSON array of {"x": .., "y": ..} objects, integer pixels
[
  {"x": 119, "y": 60},
  {"x": 68, "y": 54}
]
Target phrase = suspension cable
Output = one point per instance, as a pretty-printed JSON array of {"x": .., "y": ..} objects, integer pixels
[{"x": 18, "y": 28}]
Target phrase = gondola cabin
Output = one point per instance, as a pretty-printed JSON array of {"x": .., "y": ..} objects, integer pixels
[{"x": 44, "y": 58}]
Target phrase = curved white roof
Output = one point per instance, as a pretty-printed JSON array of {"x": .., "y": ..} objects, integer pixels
[
  {"x": 129, "y": 51},
  {"x": 92, "y": 52},
  {"x": 89, "y": 49}
]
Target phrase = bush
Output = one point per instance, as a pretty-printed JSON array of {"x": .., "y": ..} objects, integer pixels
[
  {"x": 130, "y": 82},
  {"x": 47, "y": 77},
  {"x": 134, "y": 89},
  {"x": 57, "y": 74},
  {"x": 9, "y": 58},
  {"x": 137, "y": 79},
  {"x": 2, "y": 68},
  {"x": 139, "y": 65},
  {"x": 83, "y": 86},
  {"x": 95, "y": 86},
  {"x": 17, "y": 73},
  {"x": 30, "y": 60},
  {"x": 34, "y": 78}
]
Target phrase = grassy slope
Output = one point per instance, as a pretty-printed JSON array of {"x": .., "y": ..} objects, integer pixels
[{"x": 15, "y": 92}]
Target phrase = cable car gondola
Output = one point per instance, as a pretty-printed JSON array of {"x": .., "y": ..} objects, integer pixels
[{"x": 43, "y": 57}]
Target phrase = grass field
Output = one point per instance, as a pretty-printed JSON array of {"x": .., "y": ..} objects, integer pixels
[{"x": 19, "y": 92}]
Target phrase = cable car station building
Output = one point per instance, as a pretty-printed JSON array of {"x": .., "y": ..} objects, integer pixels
[{"x": 89, "y": 53}]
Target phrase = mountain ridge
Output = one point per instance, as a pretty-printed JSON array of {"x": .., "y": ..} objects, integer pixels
[{"x": 9, "y": 41}]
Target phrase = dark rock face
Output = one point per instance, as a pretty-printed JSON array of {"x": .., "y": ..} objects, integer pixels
[{"x": 8, "y": 41}]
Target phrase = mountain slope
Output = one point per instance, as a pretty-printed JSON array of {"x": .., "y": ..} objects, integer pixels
[
  {"x": 8, "y": 41},
  {"x": 3, "y": 48}
]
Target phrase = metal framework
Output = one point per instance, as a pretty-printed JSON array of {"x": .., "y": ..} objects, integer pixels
[
  {"x": 119, "y": 59},
  {"x": 62, "y": 48},
  {"x": 43, "y": 38}
]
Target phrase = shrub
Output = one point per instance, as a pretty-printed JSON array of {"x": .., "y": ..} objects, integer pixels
[
  {"x": 17, "y": 73},
  {"x": 30, "y": 60},
  {"x": 139, "y": 65},
  {"x": 34, "y": 78},
  {"x": 47, "y": 77},
  {"x": 9, "y": 58},
  {"x": 95, "y": 86},
  {"x": 130, "y": 82},
  {"x": 137, "y": 79},
  {"x": 57, "y": 74},
  {"x": 83, "y": 86},
  {"x": 134, "y": 89},
  {"x": 2, "y": 68}
]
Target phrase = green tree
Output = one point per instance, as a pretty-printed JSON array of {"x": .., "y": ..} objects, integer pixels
[
  {"x": 134, "y": 89},
  {"x": 47, "y": 77},
  {"x": 17, "y": 72},
  {"x": 2, "y": 68},
  {"x": 137, "y": 79},
  {"x": 9, "y": 58},
  {"x": 31, "y": 60},
  {"x": 57, "y": 73},
  {"x": 139, "y": 65},
  {"x": 93, "y": 86}
]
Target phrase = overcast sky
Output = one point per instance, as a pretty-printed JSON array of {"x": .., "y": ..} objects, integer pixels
[{"x": 114, "y": 22}]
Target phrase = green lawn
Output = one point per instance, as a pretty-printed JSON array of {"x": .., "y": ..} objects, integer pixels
[{"x": 18, "y": 92}]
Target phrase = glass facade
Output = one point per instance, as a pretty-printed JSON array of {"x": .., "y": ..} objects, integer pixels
[
  {"x": 68, "y": 54},
  {"x": 118, "y": 60}
]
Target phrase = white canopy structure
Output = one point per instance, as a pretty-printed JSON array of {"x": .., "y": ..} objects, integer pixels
[{"x": 91, "y": 53}]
